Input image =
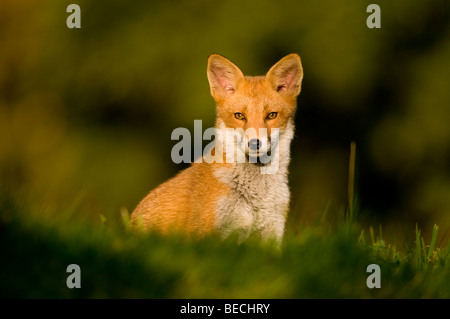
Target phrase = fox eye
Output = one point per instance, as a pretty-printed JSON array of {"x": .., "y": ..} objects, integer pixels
[
  {"x": 272, "y": 115},
  {"x": 239, "y": 116}
]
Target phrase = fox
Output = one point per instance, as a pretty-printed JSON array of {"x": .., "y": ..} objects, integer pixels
[{"x": 235, "y": 196}]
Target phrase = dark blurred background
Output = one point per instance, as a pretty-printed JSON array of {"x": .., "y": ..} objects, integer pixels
[{"x": 86, "y": 114}]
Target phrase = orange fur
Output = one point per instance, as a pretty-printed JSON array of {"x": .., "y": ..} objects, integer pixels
[{"x": 180, "y": 203}]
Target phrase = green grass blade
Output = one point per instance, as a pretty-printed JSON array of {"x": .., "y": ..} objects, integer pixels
[
  {"x": 361, "y": 238},
  {"x": 424, "y": 248},
  {"x": 372, "y": 235},
  {"x": 125, "y": 216},
  {"x": 351, "y": 180},
  {"x": 418, "y": 249},
  {"x": 433, "y": 240}
]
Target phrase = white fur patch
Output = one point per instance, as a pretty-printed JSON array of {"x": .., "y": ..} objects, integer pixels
[{"x": 258, "y": 201}]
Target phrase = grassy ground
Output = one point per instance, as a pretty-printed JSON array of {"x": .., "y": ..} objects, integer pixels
[{"x": 319, "y": 262}]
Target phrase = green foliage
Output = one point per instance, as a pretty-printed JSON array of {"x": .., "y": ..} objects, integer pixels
[
  {"x": 428, "y": 257},
  {"x": 118, "y": 263}
]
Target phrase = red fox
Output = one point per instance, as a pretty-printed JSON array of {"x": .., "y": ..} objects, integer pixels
[{"x": 227, "y": 196}]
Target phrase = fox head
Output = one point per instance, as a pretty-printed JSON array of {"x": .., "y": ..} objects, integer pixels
[{"x": 260, "y": 109}]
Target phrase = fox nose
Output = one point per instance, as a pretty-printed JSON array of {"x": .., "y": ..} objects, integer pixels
[{"x": 254, "y": 144}]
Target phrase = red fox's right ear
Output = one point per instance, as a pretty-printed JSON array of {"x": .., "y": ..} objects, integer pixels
[{"x": 224, "y": 77}]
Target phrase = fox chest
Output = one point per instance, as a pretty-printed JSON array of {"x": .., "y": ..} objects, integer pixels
[{"x": 255, "y": 203}]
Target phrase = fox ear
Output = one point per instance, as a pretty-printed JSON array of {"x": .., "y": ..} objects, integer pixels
[
  {"x": 286, "y": 75},
  {"x": 224, "y": 77}
]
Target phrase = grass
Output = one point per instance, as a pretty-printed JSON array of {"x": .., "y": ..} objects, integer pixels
[{"x": 117, "y": 263}]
